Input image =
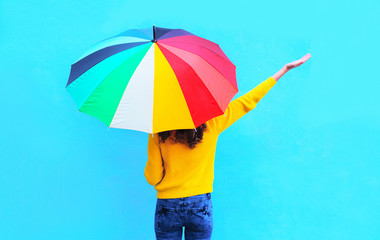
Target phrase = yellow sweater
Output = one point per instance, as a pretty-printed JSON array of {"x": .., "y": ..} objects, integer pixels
[{"x": 190, "y": 172}]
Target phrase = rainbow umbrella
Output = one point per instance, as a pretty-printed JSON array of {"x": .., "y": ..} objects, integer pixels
[{"x": 153, "y": 80}]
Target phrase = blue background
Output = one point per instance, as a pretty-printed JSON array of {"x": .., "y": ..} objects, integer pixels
[{"x": 303, "y": 165}]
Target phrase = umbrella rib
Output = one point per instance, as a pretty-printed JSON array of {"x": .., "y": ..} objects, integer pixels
[
  {"x": 89, "y": 52},
  {"x": 204, "y": 60},
  {"x": 143, "y": 33},
  {"x": 212, "y": 96},
  {"x": 112, "y": 72},
  {"x": 202, "y": 45},
  {"x": 163, "y": 36},
  {"x": 130, "y": 30},
  {"x": 118, "y": 35},
  {"x": 88, "y": 62},
  {"x": 128, "y": 83}
]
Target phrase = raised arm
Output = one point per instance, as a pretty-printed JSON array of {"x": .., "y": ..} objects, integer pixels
[{"x": 242, "y": 105}]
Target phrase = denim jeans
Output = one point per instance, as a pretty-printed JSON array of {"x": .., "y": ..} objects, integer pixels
[{"x": 194, "y": 213}]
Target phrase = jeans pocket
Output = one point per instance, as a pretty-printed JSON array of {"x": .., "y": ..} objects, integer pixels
[
  {"x": 201, "y": 217},
  {"x": 166, "y": 219}
]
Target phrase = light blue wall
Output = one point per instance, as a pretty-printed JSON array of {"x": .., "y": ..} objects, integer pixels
[{"x": 305, "y": 164}]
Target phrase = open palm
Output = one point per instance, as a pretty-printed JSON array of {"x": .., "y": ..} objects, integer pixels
[{"x": 298, "y": 62}]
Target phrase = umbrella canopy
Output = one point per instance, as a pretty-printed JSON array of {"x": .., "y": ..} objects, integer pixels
[{"x": 153, "y": 80}]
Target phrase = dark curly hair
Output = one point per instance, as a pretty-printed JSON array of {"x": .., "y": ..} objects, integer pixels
[{"x": 189, "y": 136}]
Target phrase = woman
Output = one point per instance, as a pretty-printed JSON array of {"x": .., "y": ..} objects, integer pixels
[{"x": 183, "y": 177}]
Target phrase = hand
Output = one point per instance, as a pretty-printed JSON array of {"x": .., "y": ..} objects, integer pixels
[
  {"x": 291, "y": 65},
  {"x": 297, "y": 63}
]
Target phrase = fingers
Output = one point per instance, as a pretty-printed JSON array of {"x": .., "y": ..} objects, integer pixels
[
  {"x": 298, "y": 62},
  {"x": 306, "y": 57},
  {"x": 303, "y": 59}
]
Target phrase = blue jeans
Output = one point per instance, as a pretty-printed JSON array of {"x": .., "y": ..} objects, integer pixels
[{"x": 194, "y": 213}]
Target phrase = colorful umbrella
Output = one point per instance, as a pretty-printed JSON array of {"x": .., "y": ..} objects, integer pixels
[{"x": 153, "y": 80}]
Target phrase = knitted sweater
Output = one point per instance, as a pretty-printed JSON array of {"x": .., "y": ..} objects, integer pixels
[{"x": 190, "y": 172}]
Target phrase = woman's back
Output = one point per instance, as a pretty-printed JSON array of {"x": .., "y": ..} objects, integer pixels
[
  {"x": 187, "y": 171},
  {"x": 190, "y": 172}
]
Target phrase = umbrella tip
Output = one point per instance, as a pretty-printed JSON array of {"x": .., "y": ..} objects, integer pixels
[{"x": 154, "y": 35}]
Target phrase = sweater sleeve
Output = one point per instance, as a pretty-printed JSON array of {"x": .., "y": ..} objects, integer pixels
[
  {"x": 153, "y": 169},
  {"x": 242, "y": 105}
]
